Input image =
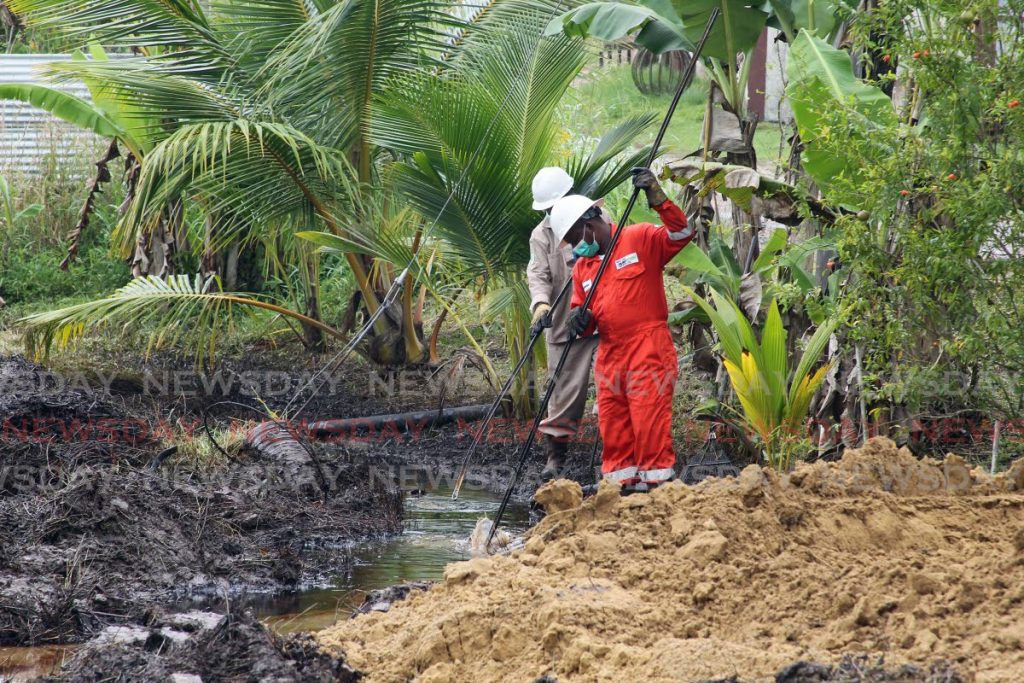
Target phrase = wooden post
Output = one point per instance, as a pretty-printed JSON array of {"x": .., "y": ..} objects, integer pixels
[
  {"x": 756, "y": 82},
  {"x": 997, "y": 428},
  {"x": 858, "y": 355}
]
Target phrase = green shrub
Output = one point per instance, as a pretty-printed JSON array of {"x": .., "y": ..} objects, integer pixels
[{"x": 37, "y": 211}]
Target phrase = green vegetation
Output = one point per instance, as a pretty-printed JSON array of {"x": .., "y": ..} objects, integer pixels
[
  {"x": 605, "y": 95},
  {"x": 774, "y": 391},
  {"x": 936, "y": 257},
  {"x": 37, "y": 211}
]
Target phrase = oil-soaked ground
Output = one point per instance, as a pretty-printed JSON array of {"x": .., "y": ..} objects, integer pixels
[
  {"x": 99, "y": 527},
  {"x": 435, "y": 532}
]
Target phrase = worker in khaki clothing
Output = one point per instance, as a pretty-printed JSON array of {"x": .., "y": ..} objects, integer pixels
[{"x": 549, "y": 269}]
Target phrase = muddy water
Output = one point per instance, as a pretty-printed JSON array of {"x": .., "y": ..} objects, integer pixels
[
  {"x": 436, "y": 532},
  {"x": 19, "y": 664}
]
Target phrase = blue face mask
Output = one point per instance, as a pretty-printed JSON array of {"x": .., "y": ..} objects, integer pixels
[{"x": 586, "y": 249}]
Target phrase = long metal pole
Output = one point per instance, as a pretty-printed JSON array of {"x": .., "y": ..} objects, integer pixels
[
  {"x": 501, "y": 394},
  {"x": 524, "y": 453}
]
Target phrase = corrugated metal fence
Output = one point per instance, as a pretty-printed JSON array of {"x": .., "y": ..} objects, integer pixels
[{"x": 30, "y": 138}]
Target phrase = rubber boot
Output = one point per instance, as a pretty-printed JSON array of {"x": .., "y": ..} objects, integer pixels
[{"x": 556, "y": 450}]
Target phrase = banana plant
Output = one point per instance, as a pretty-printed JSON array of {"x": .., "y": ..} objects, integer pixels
[
  {"x": 718, "y": 268},
  {"x": 774, "y": 390},
  {"x": 822, "y": 84},
  {"x": 65, "y": 106},
  {"x": 665, "y": 25},
  {"x": 818, "y": 17}
]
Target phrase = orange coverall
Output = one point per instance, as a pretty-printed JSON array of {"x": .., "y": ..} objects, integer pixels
[{"x": 636, "y": 360}]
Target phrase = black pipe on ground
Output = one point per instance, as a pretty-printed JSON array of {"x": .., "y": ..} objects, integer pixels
[
  {"x": 278, "y": 439},
  {"x": 414, "y": 422}
]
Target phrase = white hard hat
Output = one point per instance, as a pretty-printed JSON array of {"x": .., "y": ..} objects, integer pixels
[
  {"x": 550, "y": 184},
  {"x": 567, "y": 211}
]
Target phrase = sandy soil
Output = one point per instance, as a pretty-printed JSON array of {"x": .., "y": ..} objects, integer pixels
[{"x": 881, "y": 554}]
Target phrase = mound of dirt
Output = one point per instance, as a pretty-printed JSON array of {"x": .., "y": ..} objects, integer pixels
[
  {"x": 919, "y": 561},
  {"x": 197, "y": 646},
  {"x": 559, "y": 495}
]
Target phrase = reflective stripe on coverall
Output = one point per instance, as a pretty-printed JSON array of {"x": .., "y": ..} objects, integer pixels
[{"x": 636, "y": 359}]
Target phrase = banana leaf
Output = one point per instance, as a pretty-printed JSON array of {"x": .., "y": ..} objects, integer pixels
[
  {"x": 662, "y": 26},
  {"x": 64, "y": 106}
]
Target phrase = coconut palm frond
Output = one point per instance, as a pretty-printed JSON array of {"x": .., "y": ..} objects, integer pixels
[
  {"x": 180, "y": 310},
  {"x": 484, "y": 18},
  {"x": 127, "y": 23},
  {"x": 508, "y": 298},
  {"x": 259, "y": 171},
  {"x": 154, "y": 88},
  {"x": 385, "y": 238},
  {"x": 495, "y": 110},
  {"x": 336, "y": 63},
  {"x": 608, "y": 164},
  {"x": 256, "y": 28}
]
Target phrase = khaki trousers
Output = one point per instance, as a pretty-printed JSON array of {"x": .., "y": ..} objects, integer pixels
[{"x": 569, "y": 398}]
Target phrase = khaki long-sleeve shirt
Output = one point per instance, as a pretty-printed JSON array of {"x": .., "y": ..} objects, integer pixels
[{"x": 549, "y": 269}]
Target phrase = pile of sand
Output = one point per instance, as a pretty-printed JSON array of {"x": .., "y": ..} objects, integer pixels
[{"x": 880, "y": 553}]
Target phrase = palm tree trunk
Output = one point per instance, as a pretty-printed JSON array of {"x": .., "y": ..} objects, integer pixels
[
  {"x": 413, "y": 346},
  {"x": 313, "y": 335}
]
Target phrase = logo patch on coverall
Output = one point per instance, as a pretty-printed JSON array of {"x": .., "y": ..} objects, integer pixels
[
  {"x": 587, "y": 284},
  {"x": 627, "y": 260}
]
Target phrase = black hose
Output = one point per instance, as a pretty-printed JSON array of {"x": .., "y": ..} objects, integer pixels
[
  {"x": 156, "y": 462},
  {"x": 403, "y": 422}
]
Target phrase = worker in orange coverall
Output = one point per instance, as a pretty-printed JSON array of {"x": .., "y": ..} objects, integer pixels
[{"x": 636, "y": 360}]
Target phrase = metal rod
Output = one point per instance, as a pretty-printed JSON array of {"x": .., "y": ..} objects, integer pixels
[
  {"x": 459, "y": 480},
  {"x": 532, "y": 435},
  {"x": 593, "y": 459}
]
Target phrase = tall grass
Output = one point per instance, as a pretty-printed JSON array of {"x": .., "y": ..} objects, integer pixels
[{"x": 32, "y": 248}]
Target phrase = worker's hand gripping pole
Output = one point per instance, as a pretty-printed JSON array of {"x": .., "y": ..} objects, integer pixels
[
  {"x": 535, "y": 335},
  {"x": 531, "y": 436}
]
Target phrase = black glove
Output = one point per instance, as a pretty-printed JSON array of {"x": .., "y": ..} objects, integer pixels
[
  {"x": 644, "y": 179},
  {"x": 579, "y": 321},
  {"x": 541, "y": 319}
]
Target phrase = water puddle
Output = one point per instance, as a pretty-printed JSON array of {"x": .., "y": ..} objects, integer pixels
[
  {"x": 436, "y": 532},
  {"x": 19, "y": 664}
]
